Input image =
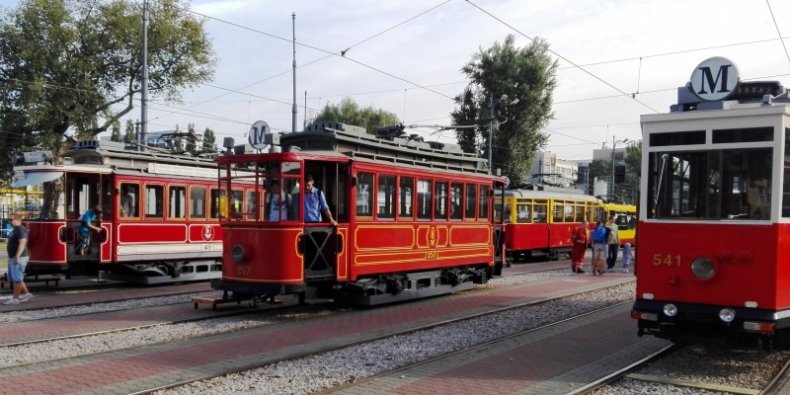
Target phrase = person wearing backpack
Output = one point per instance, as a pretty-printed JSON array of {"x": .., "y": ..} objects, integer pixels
[
  {"x": 315, "y": 203},
  {"x": 613, "y": 240},
  {"x": 599, "y": 240}
]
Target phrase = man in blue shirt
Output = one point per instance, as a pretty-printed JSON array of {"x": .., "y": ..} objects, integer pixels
[
  {"x": 86, "y": 227},
  {"x": 315, "y": 203}
]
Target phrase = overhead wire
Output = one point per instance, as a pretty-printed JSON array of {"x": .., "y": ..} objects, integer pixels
[{"x": 768, "y": 3}]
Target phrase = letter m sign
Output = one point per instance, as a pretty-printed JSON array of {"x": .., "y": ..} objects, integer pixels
[{"x": 715, "y": 79}]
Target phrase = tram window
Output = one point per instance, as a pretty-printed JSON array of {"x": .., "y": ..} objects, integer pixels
[
  {"x": 569, "y": 208},
  {"x": 252, "y": 201},
  {"x": 237, "y": 203},
  {"x": 364, "y": 194},
  {"x": 178, "y": 200},
  {"x": 130, "y": 200},
  {"x": 677, "y": 138},
  {"x": 405, "y": 198},
  {"x": 197, "y": 205},
  {"x": 385, "y": 199},
  {"x": 154, "y": 201},
  {"x": 540, "y": 211},
  {"x": 786, "y": 177},
  {"x": 719, "y": 184},
  {"x": 424, "y": 198},
  {"x": 558, "y": 213},
  {"x": 484, "y": 196},
  {"x": 293, "y": 168},
  {"x": 218, "y": 204},
  {"x": 440, "y": 201},
  {"x": 471, "y": 201},
  {"x": 455, "y": 200},
  {"x": 743, "y": 135},
  {"x": 524, "y": 213}
]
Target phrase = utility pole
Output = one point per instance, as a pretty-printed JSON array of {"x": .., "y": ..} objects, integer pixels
[
  {"x": 491, "y": 138},
  {"x": 293, "y": 117},
  {"x": 144, "y": 82}
]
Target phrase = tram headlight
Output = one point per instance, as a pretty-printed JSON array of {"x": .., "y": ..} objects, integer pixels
[
  {"x": 727, "y": 315},
  {"x": 670, "y": 310},
  {"x": 703, "y": 268},
  {"x": 238, "y": 253}
]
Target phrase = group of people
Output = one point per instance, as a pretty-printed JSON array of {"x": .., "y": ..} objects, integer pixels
[
  {"x": 277, "y": 203},
  {"x": 604, "y": 239}
]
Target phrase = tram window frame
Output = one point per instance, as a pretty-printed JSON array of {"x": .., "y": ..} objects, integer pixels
[
  {"x": 456, "y": 201},
  {"x": 529, "y": 212},
  {"x": 364, "y": 194},
  {"x": 406, "y": 194},
  {"x": 236, "y": 203},
  {"x": 251, "y": 202},
  {"x": 424, "y": 199},
  {"x": 179, "y": 203},
  {"x": 191, "y": 214},
  {"x": 570, "y": 208},
  {"x": 558, "y": 212},
  {"x": 386, "y": 190},
  {"x": 216, "y": 200},
  {"x": 440, "y": 200},
  {"x": 483, "y": 202},
  {"x": 124, "y": 188},
  {"x": 154, "y": 208},
  {"x": 540, "y": 206},
  {"x": 470, "y": 202}
]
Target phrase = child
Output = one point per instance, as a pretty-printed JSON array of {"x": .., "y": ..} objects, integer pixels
[{"x": 627, "y": 257}]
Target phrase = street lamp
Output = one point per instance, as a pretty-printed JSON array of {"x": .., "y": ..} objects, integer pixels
[
  {"x": 501, "y": 101},
  {"x": 614, "y": 144}
]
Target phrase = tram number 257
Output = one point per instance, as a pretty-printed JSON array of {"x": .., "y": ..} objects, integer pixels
[{"x": 666, "y": 260}]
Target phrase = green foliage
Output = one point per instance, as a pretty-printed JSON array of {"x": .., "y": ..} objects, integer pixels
[
  {"x": 191, "y": 139},
  {"x": 349, "y": 112},
  {"x": 130, "y": 132},
  {"x": 209, "y": 141},
  {"x": 115, "y": 135},
  {"x": 505, "y": 74},
  {"x": 72, "y": 67}
]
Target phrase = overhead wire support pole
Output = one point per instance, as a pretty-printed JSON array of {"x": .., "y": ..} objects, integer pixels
[
  {"x": 144, "y": 80},
  {"x": 293, "y": 111},
  {"x": 491, "y": 138}
]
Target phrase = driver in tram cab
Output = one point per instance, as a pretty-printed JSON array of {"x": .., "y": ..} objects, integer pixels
[
  {"x": 315, "y": 203},
  {"x": 277, "y": 203}
]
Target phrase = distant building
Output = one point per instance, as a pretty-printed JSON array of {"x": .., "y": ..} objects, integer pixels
[
  {"x": 547, "y": 169},
  {"x": 606, "y": 154}
]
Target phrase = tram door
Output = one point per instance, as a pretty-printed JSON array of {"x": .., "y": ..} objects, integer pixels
[
  {"x": 499, "y": 228},
  {"x": 84, "y": 192},
  {"x": 321, "y": 242}
]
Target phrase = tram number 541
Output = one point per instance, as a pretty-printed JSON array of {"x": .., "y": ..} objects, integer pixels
[{"x": 667, "y": 260}]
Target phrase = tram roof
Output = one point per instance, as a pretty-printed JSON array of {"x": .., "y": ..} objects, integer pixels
[
  {"x": 123, "y": 156},
  {"x": 537, "y": 194}
]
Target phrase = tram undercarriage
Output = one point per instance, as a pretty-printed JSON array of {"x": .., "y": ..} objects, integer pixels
[{"x": 165, "y": 272}]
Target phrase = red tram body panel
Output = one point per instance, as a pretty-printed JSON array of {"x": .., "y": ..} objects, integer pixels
[
  {"x": 413, "y": 219},
  {"x": 714, "y": 221}
]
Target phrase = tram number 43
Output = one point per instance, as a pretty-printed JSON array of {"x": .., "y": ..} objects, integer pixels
[{"x": 666, "y": 260}]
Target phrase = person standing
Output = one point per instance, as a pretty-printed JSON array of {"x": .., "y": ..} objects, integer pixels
[
  {"x": 315, "y": 203},
  {"x": 579, "y": 238},
  {"x": 599, "y": 247},
  {"x": 277, "y": 203},
  {"x": 17, "y": 260},
  {"x": 614, "y": 244},
  {"x": 87, "y": 227}
]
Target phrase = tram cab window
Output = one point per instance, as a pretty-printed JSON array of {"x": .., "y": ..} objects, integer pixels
[
  {"x": 455, "y": 200},
  {"x": 405, "y": 197},
  {"x": 130, "y": 200},
  {"x": 717, "y": 184},
  {"x": 484, "y": 196},
  {"x": 154, "y": 201},
  {"x": 178, "y": 198},
  {"x": 471, "y": 201},
  {"x": 197, "y": 202},
  {"x": 385, "y": 198},
  {"x": 364, "y": 195},
  {"x": 424, "y": 198}
]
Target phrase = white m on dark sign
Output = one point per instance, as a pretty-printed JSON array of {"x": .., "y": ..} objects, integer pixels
[
  {"x": 715, "y": 79},
  {"x": 257, "y": 135}
]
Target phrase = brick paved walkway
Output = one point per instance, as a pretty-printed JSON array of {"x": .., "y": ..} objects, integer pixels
[{"x": 140, "y": 369}]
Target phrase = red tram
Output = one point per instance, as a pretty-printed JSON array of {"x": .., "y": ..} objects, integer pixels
[
  {"x": 159, "y": 220},
  {"x": 714, "y": 237},
  {"x": 415, "y": 219}
]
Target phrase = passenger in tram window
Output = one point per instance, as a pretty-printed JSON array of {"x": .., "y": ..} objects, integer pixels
[
  {"x": 277, "y": 203},
  {"x": 315, "y": 203},
  {"x": 87, "y": 227},
  {"x": 758, "y": 196},
  {"x": 128, "y": 206}
]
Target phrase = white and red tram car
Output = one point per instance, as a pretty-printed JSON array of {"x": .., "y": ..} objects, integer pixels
[
  {"x": 714, "y": 223},
  {"x": 414, "y": 219},
  {"x": 160, "y": 216}
]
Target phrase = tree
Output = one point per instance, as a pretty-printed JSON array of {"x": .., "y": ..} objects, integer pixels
[
  {"x": 116, "y": 131},
  {"x": 191, "y": 140},
  {"x": 72, "y": 67},
  {"x": 520, "y": 82},
  {"x": 130, "y": 133},
  {"x": 209, "y": 141},
  {"x": 599, "y": 169},
  {"x": 348, "y": 111},
  {"x": 633, "y": 169}
]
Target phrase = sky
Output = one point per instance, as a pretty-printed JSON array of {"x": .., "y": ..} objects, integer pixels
[{"x": 618, "y": 59}]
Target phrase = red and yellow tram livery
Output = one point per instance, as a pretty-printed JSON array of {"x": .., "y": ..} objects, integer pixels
[
  {"x": 159, "y": 220},
  {"x": 714, "y": 251},
  {"x": 414, "y": 219}
]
